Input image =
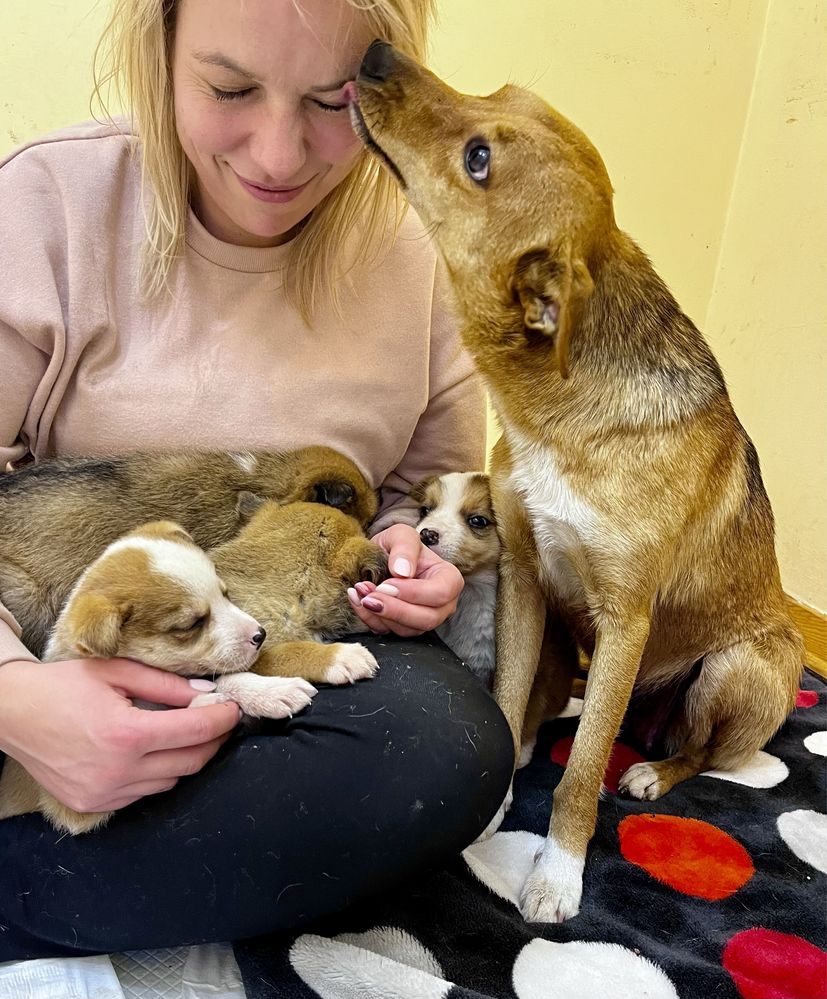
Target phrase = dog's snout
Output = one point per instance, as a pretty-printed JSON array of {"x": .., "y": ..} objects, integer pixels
[
  {"x": 378, "y": 62},
  {"x": 258, "y": 638},
  {"x": 429, "y": 537}
]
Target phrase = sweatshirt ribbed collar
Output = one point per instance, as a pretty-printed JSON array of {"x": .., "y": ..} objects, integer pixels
[{"x": 250, "y": 259}]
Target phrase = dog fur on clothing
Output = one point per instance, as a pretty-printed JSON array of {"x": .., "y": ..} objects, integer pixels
[{"x": 628, "y": 497}]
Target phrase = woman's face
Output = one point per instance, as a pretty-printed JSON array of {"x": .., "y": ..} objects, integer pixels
[{"x": 259, "y": 111}]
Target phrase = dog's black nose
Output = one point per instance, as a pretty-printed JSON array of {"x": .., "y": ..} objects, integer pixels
[
  {"x": 378, "y": 62},
  {"x": 429, "y": 537},
  {"x": 258, "y": 638}
]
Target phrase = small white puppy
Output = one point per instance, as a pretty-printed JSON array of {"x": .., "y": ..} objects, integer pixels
[{"x": 457, "y": 522}]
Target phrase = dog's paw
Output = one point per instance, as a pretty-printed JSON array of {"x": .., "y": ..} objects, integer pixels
[
  {"x": 266, "y": 696},
  {"x": 554, "y": 888},
  {"x": 350, "y": 663},
  {"x": 526, "y": 753},
  {"x": 640, "y": 781},
  {"x": 497, "y": 821}
]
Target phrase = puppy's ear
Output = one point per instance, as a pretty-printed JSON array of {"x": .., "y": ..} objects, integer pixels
[
  {"x": 552, "y": 287},
  {"x": 334, "y": 492},
  {"x": 420, "y": 490},
  {"x": 165, "y": 530},
  {"x": 246, "y": 505},
  {"x": 94, "y": 625}
]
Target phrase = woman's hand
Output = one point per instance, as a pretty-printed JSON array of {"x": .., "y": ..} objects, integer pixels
[
  {"x": 73, "y": 727},
  {"x": 422, "y": 593}
]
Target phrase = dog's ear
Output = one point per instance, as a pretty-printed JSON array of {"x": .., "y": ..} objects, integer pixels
[
  {"x": 552, "y": 286},
  {"x": 94, "y": 623},
  {"x": 246, "y": 505}
]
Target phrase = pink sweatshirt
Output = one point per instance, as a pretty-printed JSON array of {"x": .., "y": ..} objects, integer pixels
[{"x": 88, "y": 367}]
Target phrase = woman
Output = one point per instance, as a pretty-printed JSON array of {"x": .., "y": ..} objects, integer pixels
[{"x": 228, "y": 274}]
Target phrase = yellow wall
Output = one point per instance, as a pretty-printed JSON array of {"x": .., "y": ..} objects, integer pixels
[{"x": 711, "y": 119}]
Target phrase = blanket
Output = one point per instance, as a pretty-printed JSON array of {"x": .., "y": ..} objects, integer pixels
[{"x": 715, "y": 890}]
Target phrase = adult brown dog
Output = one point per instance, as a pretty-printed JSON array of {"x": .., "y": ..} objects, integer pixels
[{"x": 623, "y": 484}]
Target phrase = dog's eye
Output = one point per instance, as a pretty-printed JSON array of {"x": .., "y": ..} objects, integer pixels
[
  {"x": 477, "y": 520},
  {"x": 194, "y": 625},
  {"x": 424, "y": 511},
  {"x": 477, "y": 160}
]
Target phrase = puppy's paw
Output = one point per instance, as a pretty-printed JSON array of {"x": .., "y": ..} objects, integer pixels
[
  {"x": 497, "y": 821},
  {"x": 373, "y": 565},
  {"x": 350, "y": 663},
  {"x": 67, "y": 820},
  {"x": 641, "y": 781},
  {"x": 266, "y": 696},
  {"x": 554, "y": 888}
]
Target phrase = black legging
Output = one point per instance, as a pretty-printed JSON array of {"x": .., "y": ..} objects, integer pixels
[{"x": 370, "y": 785}]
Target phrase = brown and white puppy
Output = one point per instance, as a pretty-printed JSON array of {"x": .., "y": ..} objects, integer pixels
[
  {"x": 457, "y": 522},
  {"x": 628, "y": 497},
  {"x": 156, "y": 597},
  {"x": 57, "y": 516}
]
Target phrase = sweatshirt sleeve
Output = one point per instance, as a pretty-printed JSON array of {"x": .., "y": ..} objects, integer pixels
[
  {"x": 450, "y": 434},
  {"x": 32, "y": 307}
]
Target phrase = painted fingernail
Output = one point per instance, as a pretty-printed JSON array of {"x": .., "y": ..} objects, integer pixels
[
  {"x": 206, "y": 685},
  {"x": 373, "y": 604},
  {"x": 353, "y": 597},
  {"x": 388, "y": 588},
  {"x": 402, "y": 567},
  {"x": 363, "y": 589}
]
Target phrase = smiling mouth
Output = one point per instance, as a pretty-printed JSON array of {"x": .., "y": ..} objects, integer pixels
[{"x": 357, "y": 120}]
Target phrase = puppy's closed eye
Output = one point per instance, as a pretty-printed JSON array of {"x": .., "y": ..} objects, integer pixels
[{"x": 190, "y": 627}]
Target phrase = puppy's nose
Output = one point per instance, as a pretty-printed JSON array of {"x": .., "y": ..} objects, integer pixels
[
  {"x": 378, "y": 62},
  {"x": 429, "y": 537},
  {"x": 258, "y": 638}
]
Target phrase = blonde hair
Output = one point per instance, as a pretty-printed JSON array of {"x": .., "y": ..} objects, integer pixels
[{"x": 134, "y": 56}]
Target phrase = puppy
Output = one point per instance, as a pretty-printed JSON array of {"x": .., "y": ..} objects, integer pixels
[
  {"x": 457, "y": 522},
  {"x": 57, "y": 516},
  {"x": 154, "y": 596},
  {"x": 628, "y": 497}
]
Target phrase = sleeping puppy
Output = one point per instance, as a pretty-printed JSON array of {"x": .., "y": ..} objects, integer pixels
[
  {"x": 57, "y": 516},
  {"x": 457, "y": 522},
  {"x": 154, "y": 596}
]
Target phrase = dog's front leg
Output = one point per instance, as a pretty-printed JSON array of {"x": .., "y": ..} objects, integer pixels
[
  {"x": 520, "y": 619},
  {"x": 553, "y": 890}
]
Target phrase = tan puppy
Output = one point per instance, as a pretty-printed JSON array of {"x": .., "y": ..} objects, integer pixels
[
  {"x": 156, "y": 597},
  {"x": 457, "y": 522},
  {"x": 57, "y": 516},
  {"x": 628, "y": 497}
]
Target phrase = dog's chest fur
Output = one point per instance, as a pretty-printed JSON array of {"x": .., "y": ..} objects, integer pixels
[
  {"x": 563, "y": 523},
  {"x": 469, "y": 632}
]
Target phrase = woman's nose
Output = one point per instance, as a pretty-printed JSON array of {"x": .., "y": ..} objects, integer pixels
[{"x": 278, "y": 147}]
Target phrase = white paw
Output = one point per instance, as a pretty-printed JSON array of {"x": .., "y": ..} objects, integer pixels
[
  {"x": 266, "y": 696},
  {"x": 640, "y": 781},
  {"x": 497, "y": 821},
  {"x": 351, "y": 663},
  {"x": 553, "y": 890},
  {"x": 526, "y": 752}
]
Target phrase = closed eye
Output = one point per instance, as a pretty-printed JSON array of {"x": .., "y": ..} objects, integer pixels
[
  {"x": 195, "y": 625},
  {"x": 329, "y": 107},
  {"x": 231, "y": 95}
]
